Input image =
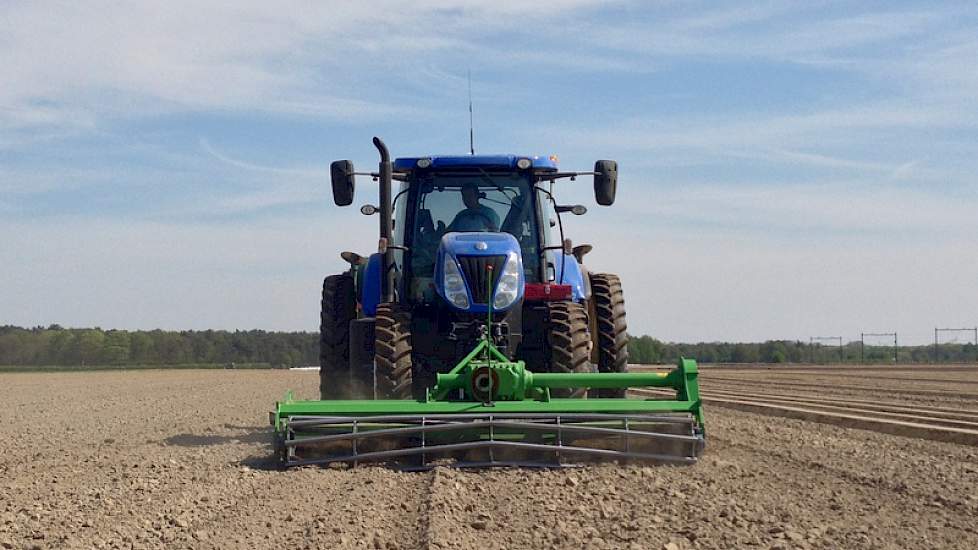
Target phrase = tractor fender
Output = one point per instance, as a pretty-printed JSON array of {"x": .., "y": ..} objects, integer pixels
[
  {"x": 370, "y": 292},
  {"x": 573, "y": 275}
]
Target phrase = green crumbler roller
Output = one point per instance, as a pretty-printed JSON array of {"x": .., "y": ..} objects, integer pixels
[{"x": 489, "y": 411}]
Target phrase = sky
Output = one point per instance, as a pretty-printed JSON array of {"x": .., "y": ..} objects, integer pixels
[{"x": 787, "y": 169}]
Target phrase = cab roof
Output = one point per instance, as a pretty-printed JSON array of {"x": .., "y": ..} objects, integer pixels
[{"x": 505, "y": 162}]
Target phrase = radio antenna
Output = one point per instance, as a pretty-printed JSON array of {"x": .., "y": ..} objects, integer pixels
[{"x": 471, "y": 132}]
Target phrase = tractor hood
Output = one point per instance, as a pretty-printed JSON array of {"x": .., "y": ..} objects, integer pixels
[{"x": 474, "y": 269}]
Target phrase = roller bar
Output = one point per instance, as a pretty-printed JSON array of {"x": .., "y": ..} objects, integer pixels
[{"x": 484, "y": 440}]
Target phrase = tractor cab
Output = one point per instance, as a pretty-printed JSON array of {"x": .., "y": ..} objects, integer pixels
[
  {"x": 504, "y": 194},
  {"x": 470, "y": 195}
]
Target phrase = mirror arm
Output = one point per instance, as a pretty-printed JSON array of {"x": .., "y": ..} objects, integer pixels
[
  {"x": 576, "y": 209},
  {"x": 376, "y": 175},
  {"x": 543, "y": 176}
]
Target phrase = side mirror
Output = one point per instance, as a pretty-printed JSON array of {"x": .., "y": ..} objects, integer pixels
[
  {"x": 343, "y": 182},
  {"x": 605, "y": 181}
]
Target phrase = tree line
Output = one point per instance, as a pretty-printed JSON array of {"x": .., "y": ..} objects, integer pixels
[
  {"x": 648, "y": 350},
  {"x": 58, "y": 346}
]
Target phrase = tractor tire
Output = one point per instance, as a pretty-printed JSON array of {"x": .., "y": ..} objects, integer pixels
[
  {"x": 612, "y": 331},
  {"x": 393, "y": 376},
  {"x": 362, "y": 342},
  {"x": 569, "y": 342},
  {"x": 339, "y": 307}
]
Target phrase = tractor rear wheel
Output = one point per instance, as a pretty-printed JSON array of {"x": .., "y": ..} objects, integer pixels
[
  {"x": 612, "y": 331},
  {"x": 392, "y": 353},
  {"x": 339, "y": 307},
  {"x": 568, "y": 341}
]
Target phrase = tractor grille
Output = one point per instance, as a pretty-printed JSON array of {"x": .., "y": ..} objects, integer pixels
[{"x": 474, "y": 269}]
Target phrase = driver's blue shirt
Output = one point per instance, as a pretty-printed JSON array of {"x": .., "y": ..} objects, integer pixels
[{"x": 480, "y": 218}]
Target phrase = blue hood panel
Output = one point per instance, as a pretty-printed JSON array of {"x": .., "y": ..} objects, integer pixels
[
  {"x": 468, "y": 244},
  {"x": 455, "y": 245}
]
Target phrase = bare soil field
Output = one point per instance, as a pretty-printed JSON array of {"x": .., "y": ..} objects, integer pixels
[
  {"x": 918, "y": 385},
  {"x": 182, "y": 459}
]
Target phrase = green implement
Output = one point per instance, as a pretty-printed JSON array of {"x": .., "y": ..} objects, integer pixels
[{"x": 490, "y": 411}]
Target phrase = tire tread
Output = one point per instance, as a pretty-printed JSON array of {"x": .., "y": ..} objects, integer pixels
[
  {"x": 392, "y": 353},
  {"x": 338, "y": 308},
  {"x": 612, "y": 336}
]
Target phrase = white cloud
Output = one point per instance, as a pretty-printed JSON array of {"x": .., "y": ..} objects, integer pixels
[
  {"x": 88, "y": 60},
  {"x": 787, "y": 33},
  {"x": 770, "y": 132},
  {"x": 839, "y": 211},
  {"x": 893, "y": 140},
  {"x": 68, "y": 65},
  {"x": 237, "y": 163}
]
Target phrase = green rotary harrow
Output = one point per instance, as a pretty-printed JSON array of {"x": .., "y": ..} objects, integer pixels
[{"x": 490, "y": 411}]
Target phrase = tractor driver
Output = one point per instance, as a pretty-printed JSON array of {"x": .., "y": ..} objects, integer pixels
[{"x": 475, "y": 216}]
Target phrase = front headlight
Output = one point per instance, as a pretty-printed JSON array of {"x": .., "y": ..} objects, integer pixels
[
  {"x": 455, "y": 285},
  {"x": 507, "y": 289}
]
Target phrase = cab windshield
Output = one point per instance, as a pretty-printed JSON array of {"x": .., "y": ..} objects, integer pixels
[{"x": 468, "y": 202}]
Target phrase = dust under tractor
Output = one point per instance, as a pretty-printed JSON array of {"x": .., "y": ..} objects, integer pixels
[{"x": 476, "y": 337}]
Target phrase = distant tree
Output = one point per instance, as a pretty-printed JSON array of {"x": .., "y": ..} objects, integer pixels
[
  {"x": 142, "y": 349},
  {"x": 115, "y": 348},
  {"x": 88, "y": 345},
  {"x": 745, "y": 353}
]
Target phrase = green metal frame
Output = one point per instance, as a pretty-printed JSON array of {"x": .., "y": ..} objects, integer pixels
[{"x": 535, "y": 397}]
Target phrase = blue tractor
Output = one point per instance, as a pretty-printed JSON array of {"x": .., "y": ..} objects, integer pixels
[{"x": 471, "y": 247}]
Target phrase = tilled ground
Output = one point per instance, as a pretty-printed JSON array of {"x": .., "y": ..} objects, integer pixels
[
  {"x": 181, "y": 459},
  {"x": 936, "y": 385}
]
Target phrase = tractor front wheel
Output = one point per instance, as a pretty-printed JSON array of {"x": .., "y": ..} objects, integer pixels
[
  {"x": 568, "y": 341},
  {"x": 339, "y": 307},
  {"x": 612, "y": 332},
  {"x": 392, "y": 353}
]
